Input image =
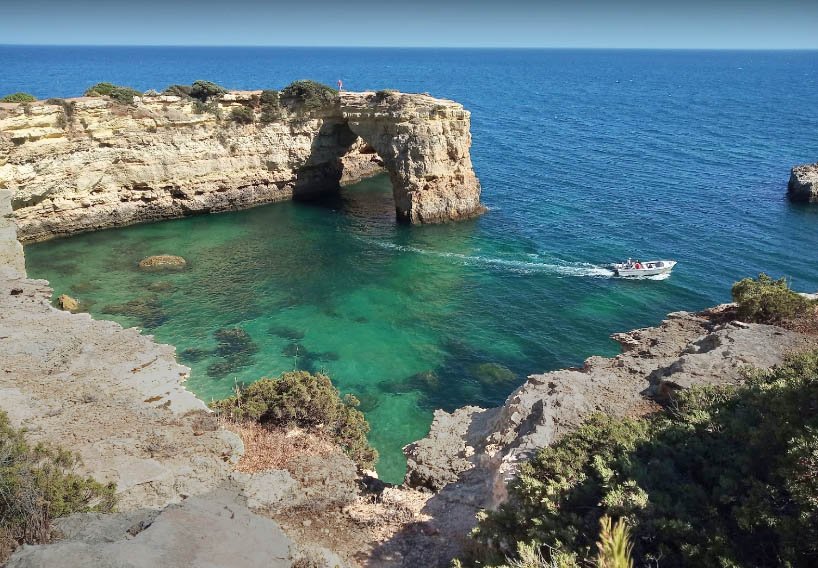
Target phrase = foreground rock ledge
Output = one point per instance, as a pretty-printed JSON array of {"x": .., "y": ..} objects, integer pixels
[
  {"x": 803, "y": 185},
  {"x": 91, "y": 163}
]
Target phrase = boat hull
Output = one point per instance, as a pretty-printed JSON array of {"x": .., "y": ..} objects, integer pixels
[{"x": 654, "y": 268}]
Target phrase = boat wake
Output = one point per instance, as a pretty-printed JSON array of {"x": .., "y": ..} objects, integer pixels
[{"x": 576, "y": 269}]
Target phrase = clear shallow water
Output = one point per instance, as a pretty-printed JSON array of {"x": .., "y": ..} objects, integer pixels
[{"x": 585, "y": 157}]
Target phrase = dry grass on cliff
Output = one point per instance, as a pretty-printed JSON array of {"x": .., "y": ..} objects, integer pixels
[{"x": 273, "y": 448}]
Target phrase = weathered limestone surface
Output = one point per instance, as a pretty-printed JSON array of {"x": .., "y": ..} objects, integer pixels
[
  {"x": 211, "y": 530},
  {"x": 117, "y": 399},
  {"x": 803, "y": 184},
  {"x": 101, "y": 164}
]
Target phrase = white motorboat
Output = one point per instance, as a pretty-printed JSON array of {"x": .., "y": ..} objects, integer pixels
[{"x": 637, "y": 268}]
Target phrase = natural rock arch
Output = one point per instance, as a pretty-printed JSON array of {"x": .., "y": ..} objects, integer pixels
[{"x": 424, "y": 146}]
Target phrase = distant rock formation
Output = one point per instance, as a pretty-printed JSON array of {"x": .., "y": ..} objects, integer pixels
[
  {"x": 91, "y": 163},
  {"x": 803, "y": 184}
]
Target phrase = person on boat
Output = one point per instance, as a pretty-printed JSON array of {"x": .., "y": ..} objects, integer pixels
[{"x": 637, "y": 265}]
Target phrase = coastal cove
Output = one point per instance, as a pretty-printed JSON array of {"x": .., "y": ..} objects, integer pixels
[{"x": 411, "y": 319}]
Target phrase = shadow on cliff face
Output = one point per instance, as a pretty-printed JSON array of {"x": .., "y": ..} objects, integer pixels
[
  {"x": 322, "y": 172},
  {"x": 318, "y": 182}
]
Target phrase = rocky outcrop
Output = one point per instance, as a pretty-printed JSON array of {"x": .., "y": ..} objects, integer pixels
[
  {"x": 471, "y": 454},
  {"x": 91, "y": 163},
  {"x": 803, "y": 185}
]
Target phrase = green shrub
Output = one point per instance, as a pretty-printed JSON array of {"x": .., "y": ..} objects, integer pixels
[
  {"x": 100, "y": 90},
  {"x": 385, "y": 94},
  {"x": 200, "y": 108},
  {"x": 38, "y": 484},
  {"x": 205, "y": 90},
  {"x": 242, "y": 115},
  {"x": 726, "y": 477},
  {"x": 307, "y": 401},
  {"x": 118, "y": 93},
  {"x": 182, "y": 91},
  {"x": 270, "y": 103},
  {"x": 18, "y": 98},
  {"x": 124, "y": 95},
  {"x": 765, "y": 300},
  {"x": 308, "y": 95}
]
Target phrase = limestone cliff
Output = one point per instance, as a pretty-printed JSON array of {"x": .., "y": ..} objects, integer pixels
[
  {"x": 91, "y": 163},
  {"x": 803, "y": 185}
]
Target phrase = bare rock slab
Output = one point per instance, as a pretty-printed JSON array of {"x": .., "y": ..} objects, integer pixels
[{"x": 207, "y": 531}]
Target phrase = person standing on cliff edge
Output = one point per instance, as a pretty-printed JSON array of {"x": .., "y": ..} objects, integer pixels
[{"x": 340, "y": 85}]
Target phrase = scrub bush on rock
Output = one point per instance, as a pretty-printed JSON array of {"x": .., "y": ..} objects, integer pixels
[
  {"x": 764, "y": 300},
  {"x": 205, "y": 90},
  {"x": 37, "y": 485},
  {"x": 118, "y": 93},
  {"x": 308, "y": 401},
  {"x": 309, "y": 95},
  {"x": 18, "y": 98},
  {"x": 724, "y": 476}
]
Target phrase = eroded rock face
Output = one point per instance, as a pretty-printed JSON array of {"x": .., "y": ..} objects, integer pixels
[
  {"x": 803, "y": 184},
  {"x": 92, "y": 163}
]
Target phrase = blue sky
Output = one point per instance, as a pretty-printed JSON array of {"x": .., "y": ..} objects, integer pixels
[{"x": 782, "y": 24}]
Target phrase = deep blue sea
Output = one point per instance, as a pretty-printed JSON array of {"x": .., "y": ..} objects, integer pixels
[{"x": 585, "y": 157}]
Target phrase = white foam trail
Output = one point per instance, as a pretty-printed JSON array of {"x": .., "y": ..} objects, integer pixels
[{"x": 580, "y": 269}]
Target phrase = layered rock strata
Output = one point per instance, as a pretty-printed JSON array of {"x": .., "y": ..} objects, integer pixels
[
  {"x": 803, "y": 185},
  {"x": 90, "y": 163}
]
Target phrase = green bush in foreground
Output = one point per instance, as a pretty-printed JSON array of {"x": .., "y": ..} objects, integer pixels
[
  {"x": 727, "y": 476},
  {"x": 765, "y": 300},
  {"x": 38, "y": 484},
  {"x": 309, "y": 95},
  {"x": 307, "y": 401},
  {"x": 18, "y": 98}
]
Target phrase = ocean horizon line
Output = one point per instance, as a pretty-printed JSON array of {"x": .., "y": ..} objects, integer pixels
[{"x": 435, "y": 47}]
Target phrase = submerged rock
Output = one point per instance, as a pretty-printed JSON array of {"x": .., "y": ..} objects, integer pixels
[
  {"x": 286, "y": 332},
  {"x": 163, "y": 262},
  {"x": 493, "y": 374},
  {"x": 234, "y": 340},
  {"x": 294, "y": 350},
  {"x": 193, "y": 354},
  {"x": 67, "y": 303},
  {"x": 236, "y": 349},
  {"x": 147, "y": 310},
  {"x": 84, "y": 287},
  {"x": 161, "y": 286}
]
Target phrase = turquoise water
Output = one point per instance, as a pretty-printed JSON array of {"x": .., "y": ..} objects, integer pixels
[{"x": 585, "y": 157}]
